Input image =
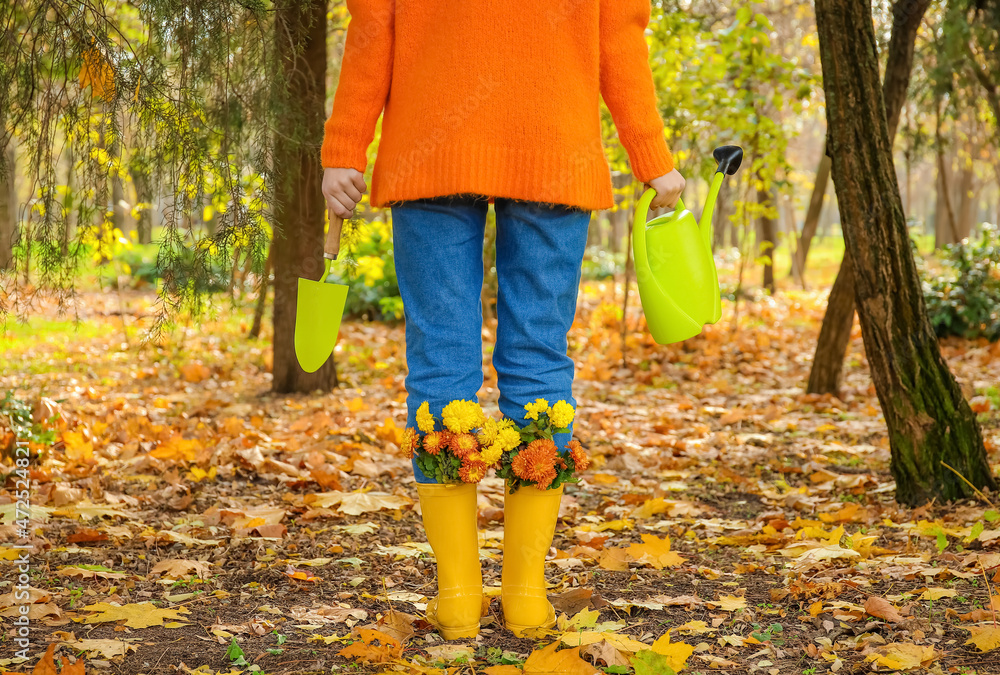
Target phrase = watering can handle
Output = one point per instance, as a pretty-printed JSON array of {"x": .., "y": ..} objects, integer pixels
[
  {"x": 642, "y": 208},
  {"x": 331, "y": 248}
]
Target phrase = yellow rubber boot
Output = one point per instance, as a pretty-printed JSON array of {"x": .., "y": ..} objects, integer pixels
[
  {"x": 449, "y": 513},
  {"x": 529, "y": 521}
]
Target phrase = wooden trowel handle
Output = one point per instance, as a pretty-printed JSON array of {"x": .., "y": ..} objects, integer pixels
[{"x": 332, "y": 246}]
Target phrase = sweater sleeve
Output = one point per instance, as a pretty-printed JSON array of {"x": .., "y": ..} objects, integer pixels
[
  {"x": 627, "y": 86},
  {"x": 361, "y": 93}
]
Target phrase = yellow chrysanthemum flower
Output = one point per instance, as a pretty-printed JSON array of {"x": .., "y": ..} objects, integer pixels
[
  {"x": 562, "y": 414},
  {"x": 491, "y": 454},
  {"x": 425, "y": 420},
  {"x": 488, "y": 433},
  {"x": 462, "y": 416},
  {"x": 508, "y": 438},
  {"x": 539, "y": 406}
]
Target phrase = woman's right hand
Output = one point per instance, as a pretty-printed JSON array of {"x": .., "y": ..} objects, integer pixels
[{"x": 342, "y": 189}]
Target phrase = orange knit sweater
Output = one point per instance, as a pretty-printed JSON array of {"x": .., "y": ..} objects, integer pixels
[{"x": 495, "y": 97}]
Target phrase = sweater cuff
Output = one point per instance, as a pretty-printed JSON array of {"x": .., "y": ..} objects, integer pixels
[
  {"x": 650, "y": 158},
  {"x": 341, "y": 153}
]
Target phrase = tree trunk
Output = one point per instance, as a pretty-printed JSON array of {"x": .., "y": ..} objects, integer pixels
[
  {"x": 791, "y": 231},
  {"x": 766, "y": 225},
  {"x": 929, "y": 421},
  {"x": 812, "y": 214},
  {"x": 966, "y": 198},
  {"x": 832, "y": 343},
  {"x": 143, "y": 195},
  {"x": 300, "y": 34},
  {"x": 265, "y": 282},
  {"x": 8, "y": 208},
  {"x": 835, "y": 334}
]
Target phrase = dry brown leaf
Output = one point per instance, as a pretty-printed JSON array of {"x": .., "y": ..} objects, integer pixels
[
  {"x": 179, "y": 568},
  {"x": 604, "y": 652},
  {"x": 882, "y": 609}
]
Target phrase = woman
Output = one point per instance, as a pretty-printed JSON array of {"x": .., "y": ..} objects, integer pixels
[{"x": 491, "y": 101}]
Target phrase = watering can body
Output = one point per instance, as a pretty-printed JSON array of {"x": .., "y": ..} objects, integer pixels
[{"x": 675, "y": 269}]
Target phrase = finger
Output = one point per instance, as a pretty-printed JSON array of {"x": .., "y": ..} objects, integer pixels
[
  {"x": 359, "y": 182},
  {"x": 352, "y": 192},
  {"x": 341, "y": 205},
  {"x": 672, "y": 199}
]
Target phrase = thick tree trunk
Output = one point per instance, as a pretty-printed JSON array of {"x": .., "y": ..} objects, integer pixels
[
  {"x": 929, "y": 421},
  {"x": 813, "y": 213},
  {"x": 8, "y": 209},
  {"x": 300, "y": 32},
  {"x": 832, "y": 343}
]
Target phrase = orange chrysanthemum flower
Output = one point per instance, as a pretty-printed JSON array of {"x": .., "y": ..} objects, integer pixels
[
  {"x": 472, "y": 472},
  {"x": 579, "y": 457},
  {"x": 462, "y": 445},
  {"x": 537, "y": 462},
  {"x": 436, "y": 441},
  {"x": 409, "y": 442}
]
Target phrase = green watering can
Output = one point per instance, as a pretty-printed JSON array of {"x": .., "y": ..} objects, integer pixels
[
  {"x": 678, "y": 282},
  {"x": 319, "y": 308}
]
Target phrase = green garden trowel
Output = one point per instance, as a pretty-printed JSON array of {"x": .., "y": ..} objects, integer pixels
[
  {"x": 678, "y": 282},
  {"x": 319, "y": 309}
]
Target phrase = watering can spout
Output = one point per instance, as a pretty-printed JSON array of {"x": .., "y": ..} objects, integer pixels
[{"x": 729, "y": 158}]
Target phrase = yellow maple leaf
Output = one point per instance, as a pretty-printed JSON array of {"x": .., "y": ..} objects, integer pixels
[
  {"x": 553, "y": 661},
  {"x": 987, "y": 638},
  {"x": 729, "y": 603},
  {"x": 654, "y": 552},
  {"x": 135, "y": 615},
  {"x": 902, "y": 656},
  {"x": 677, "y": 653},
  {"x": 622, "y": 643}
]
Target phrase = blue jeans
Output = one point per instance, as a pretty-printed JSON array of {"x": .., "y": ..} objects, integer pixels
[{"x": 438, "y": 250}]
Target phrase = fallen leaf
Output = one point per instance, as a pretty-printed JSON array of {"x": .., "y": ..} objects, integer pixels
[
  {"x": 604, "y": 652},
  {"x": 655, "y": 552},
  {"x": 676, "y": 653},
  {"x": 938, "y": 593},
  {"x": 987, "y": 638},
  {"x": 136, "y": 615},
  {"x": 882, "y": 609},
  {"x": 107, "y": 649},
  {"x": 622, "y": 643},
  {"x": 903, "y": 656},
  {"x": 553, "y": 661},
  {"x": 729, "y": 603},
  {"x": 649, "y": 662},
  {"x": 373, "y": 647},
  {"x": 179, "y": 568}
]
